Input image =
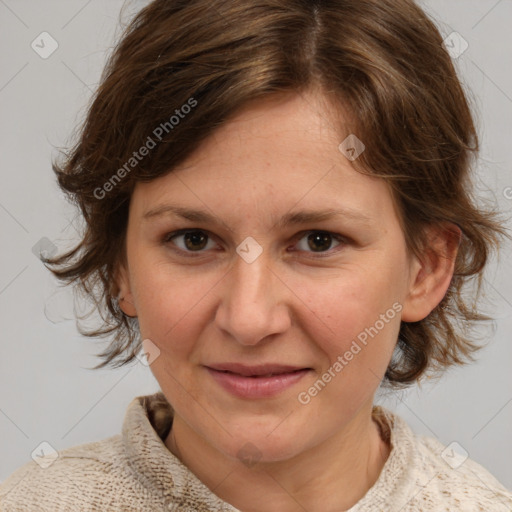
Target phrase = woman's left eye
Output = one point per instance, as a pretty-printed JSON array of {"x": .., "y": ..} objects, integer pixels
[
  {"x": 195, "y": 240},
  {"x": 320, "y": 241}
]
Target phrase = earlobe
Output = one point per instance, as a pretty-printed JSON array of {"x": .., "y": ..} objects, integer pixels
[
  {"x": 124, "y": 293},
  {"x": 127, "y": 306},
  {"x": 431, "y": 276}
]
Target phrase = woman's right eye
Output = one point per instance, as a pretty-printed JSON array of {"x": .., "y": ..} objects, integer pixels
[{"x": 190, "y": 240}]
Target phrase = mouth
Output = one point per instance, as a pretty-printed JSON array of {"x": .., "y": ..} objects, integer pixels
[{"x": 261, "y": 381}]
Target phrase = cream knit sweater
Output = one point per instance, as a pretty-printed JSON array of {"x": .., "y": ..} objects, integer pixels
[{"x": 134, "y": 471}]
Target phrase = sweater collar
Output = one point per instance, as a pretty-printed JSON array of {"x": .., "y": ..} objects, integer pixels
[
  {"x": 146, "y": 424},
  {"x": 148, "y": 420}
]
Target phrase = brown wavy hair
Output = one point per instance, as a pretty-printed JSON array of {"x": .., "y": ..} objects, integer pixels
[{"x": 383, "y": 61}]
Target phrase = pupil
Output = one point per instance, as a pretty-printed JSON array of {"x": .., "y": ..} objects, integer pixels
[
  {"x": 195, "y": 237},
  {"x": 324, "y": 238}
]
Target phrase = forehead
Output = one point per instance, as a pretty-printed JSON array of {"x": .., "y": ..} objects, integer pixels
[{"x": 275, "y": 156}]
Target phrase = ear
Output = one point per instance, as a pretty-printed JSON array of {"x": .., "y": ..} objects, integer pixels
[
  {"x": 431, "y": 276},
  {"x": 124, "y": 290}
]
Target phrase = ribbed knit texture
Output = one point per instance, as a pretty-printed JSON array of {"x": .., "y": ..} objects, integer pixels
[{"x": 134, "y": 471}]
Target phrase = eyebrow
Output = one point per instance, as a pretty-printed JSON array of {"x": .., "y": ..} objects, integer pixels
[{"x": 295, "y": 218}]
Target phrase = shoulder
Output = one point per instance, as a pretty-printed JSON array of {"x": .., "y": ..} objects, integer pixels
[
  {"x": 448, "y": 476},
  {"x": 79, "y": 472},
  {"x": 110, "y": 474},
  {"x": 87, "y": 477},
  {"x": 423, "y": 474}
]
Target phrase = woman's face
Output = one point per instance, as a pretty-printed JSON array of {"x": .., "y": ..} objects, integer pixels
[{"x": 303, "y": 313}]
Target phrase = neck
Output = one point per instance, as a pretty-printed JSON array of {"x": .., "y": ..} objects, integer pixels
[{"x": 331, "y": 476}]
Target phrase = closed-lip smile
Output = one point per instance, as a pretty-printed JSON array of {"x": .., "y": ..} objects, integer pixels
[{"x": 256, "y": 381}]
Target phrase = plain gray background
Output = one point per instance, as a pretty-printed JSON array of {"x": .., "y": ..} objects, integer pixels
[{"x": 46, "y": 391}]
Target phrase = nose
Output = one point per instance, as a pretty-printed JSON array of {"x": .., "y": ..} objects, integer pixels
[{"x": 253, "y": 302}]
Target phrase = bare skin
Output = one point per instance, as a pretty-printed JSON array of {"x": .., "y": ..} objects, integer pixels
[{"x": 301, "y": 302}]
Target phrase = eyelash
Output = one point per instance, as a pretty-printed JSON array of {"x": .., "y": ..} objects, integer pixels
[{"x": 167, "y": 239}]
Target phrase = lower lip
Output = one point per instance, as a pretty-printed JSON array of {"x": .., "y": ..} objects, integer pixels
[{"x": 256, "y": 387}]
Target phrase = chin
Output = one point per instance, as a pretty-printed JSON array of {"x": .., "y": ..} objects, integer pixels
[{"x": 264, "y": 445}]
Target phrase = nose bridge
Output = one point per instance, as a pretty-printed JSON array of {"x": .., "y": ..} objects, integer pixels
[{"x": 250, "y": 308}]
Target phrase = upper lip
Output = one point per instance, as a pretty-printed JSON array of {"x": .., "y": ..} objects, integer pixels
[{"x": 250, "y": 371}]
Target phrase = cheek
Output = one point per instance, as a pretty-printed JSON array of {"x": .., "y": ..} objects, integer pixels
[
  {"x": 169, "y": 306},
  {"x": 349, "y": 308},
  {"x": 172, "y": 315},
  {"x": 355, "y": 324}
]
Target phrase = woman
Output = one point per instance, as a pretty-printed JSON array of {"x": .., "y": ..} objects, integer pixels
[{"x": 277, "y": 198}]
